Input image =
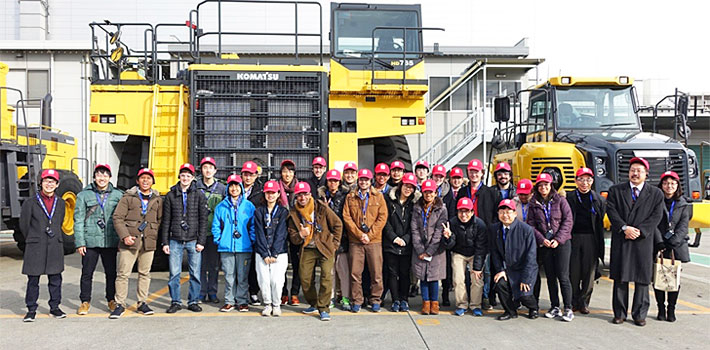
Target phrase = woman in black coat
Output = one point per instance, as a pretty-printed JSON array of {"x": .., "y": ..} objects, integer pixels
[
  {"x": 674, "y": 230},
  {"x": 397, "y": 240}
]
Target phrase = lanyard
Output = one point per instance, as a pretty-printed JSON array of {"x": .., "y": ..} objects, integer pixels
[
  {"x": 367, "y": 201},
  {"x": 101, "y": 199},
  {"x": 474, "y": 197},
  {"x": 524, "y": 208},
  {"x": 591, "y": 201},
  {"x": 670, "y": 213},
  {"x": 270, "y": 218},
  {"x": 438, "y": 192},
  {"x": 209, "y": 191},
  {"x": 54, "y": 206},
  {"x": 548, "y": 215},
  {"x": 184, "y": 203},
  {"x": 425, "y": 216},
  {"x": 236, "y": 207},
  {"x": 144, "y": 203}
]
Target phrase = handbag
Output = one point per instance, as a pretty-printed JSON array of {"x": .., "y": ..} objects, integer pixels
[{"x": 666, "y": 273}]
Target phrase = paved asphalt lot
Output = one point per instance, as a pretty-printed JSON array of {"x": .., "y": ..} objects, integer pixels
[{"x": 386, "y": 330}]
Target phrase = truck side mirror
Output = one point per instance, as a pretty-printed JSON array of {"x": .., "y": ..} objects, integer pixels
[
  {"x": 682, "y": 106},
  {"x": 501, "y": 108},
  {"x": 520, "y": 139}
]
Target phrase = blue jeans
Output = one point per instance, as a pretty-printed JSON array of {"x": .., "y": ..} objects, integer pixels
[
  {"x": 487, "y": 277},
  {"x": 210, "y": 269},
  {"x": 430, "y": 290},
  {"x": 236, "y": 277},
  {"x": 194, "y": 260}
]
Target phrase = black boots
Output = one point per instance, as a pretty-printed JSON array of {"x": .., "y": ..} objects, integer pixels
[
  {"x": 666, "y": 313},
  {"x": 672, "y": 299}
]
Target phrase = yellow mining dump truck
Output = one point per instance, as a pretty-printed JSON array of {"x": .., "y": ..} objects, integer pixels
[
  {"x": 176, "y": 107},
  {"x": 570, "y": 122},
  {"x": 27, "y": 149}
]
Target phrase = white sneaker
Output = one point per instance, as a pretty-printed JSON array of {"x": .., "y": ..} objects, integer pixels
[
  {"x": 267, "y": 311},
  {"x": 276, "y": 311},
  {"x": 568, "y": 315},
  {"x": 553, "y": 312}
]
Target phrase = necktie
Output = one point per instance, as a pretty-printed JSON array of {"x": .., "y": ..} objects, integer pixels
[
  {"x": 636, "y": 193},
  {"x": 505, "y": 233}
]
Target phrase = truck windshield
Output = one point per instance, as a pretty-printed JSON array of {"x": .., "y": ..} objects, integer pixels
[
  {"x": 595, "y": 108},
  {"x": 353, "y": 33}
]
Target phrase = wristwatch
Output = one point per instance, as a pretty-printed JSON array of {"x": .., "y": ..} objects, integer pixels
[{"x": 623, "y": 228}]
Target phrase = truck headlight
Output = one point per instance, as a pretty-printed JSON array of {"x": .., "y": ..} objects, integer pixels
[
  {"x": 692, "y": 166},
  {"x": 600, "y": 166}
]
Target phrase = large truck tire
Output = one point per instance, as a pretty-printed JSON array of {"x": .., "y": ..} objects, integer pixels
[
  {"x": 130, "y": 159},
  {"x": 69, "y": 188},
  {"x": 389, "y": 149}
]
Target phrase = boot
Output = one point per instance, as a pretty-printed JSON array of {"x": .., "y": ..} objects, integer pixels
[
  {"x": 661, "y": 303},
  {"x": 445, "y": 298},
  {"x": 672, "y": 299},
  {"x": 426, "y": 307},
  {"x": 434, "y": 307}
]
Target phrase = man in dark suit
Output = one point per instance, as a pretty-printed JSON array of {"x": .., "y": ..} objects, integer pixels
[{"x": 634, "y": 209}]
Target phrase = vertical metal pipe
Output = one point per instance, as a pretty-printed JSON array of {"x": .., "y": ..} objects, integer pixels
[{"x": 295, "y": 5}]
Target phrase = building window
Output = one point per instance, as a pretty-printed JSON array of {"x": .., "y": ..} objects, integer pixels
[
  {"x": 37, "y": 86},
  {"x": 460, "y": 100}
]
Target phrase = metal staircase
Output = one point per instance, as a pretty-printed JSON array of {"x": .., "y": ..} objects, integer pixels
[{"x": 458, "y": 142}]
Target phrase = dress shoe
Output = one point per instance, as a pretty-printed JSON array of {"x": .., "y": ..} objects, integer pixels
[
  {"x": 584, "y": 310},
  {"x": 618, "y": 320},
  {"x": 506, "y": 316},
  {"x": 640, "y": 323}
]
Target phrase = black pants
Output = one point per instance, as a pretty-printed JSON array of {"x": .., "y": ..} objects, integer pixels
[
  {"x": 620, "y": 300},
  {"x": 397, "y": 268},
  {"x": 541, "y": 254},
  {"x": 88, "y": 266},
  {"x": 209, "y": 270},
  {"x": 446, "y": 282},
  {"x": 505, "y": 294},
  {"x": 583, "y": 265},
  {"x": 55, "y": 291},
  {"x": 253, "y": 282},
  {"x": 556, "y": 263},
  {"x": 294, "y": 252}
]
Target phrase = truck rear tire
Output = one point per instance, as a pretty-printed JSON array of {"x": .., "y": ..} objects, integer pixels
[
  {"x": 389, "y": 149},
  {"x": 69, "y": 188}
]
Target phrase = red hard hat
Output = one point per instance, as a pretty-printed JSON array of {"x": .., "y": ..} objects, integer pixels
[
  {"x": 429, "y": 185},
  {"x": 333, "y": 174},
  {"x": 271, "y": 186},
  {"x": 287, "y": 161},
  {"x": 422, "y": 163},
  {"x": 397, "y": 165},
  {"x": 146, "y": 171},
  {"x": 504, "y": 166},
  {"x": 456, "y": 172},
  {"x": 234, "y": 178},
  {"x": 639, "y": 160},
  {"x": 51, "y": 173},
  {"x": 319, "y": 161},
  {"x": 543, "y": 177},
  {"x": 188, "y": 166},
  {"x": 672, "y": 174},
  {"x": 506, "y": 203},
  {"x": 465, "y": 203},
  {"x": 439, "y": 170},
  {"x": 475, "y": 164},
  {"x": 350, "y": 166},
  {"x": 103, "y": 166},
  {"x": 584, "y": 171},
  {"x": 208, "y": 160},
  {"x": 366, "y": 173},
  {"x": 302, "y": 187},
  {"x": 524, "y": 186},
  {"x": 382, "y": 168},
  {"x": 410, "y": 179},
  {"x": 249, "y": 167}
]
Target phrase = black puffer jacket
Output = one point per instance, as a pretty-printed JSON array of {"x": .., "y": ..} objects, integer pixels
[
  {"x": 399, "y": 221},
  {"x": 468, "y": 239},
  {"x": 195, "y": 216},
  {"x": 336, "y": 203},
  {"x": 485, "y": 200},
  {"x": 678, "y": 242}
]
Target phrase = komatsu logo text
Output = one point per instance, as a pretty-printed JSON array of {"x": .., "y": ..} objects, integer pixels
[{"x": 258, "y": 76}]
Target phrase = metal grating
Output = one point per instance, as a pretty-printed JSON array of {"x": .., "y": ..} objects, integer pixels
[{"x": 564, "y": 164}]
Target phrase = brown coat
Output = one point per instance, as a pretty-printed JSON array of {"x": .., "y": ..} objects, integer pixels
[
  {"x": 328, "y": 239},
  {"x": 375, "y": 217},
  {"x": 127, "y": 218}
]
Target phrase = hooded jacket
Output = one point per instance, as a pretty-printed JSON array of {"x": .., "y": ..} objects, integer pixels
[
  {"x": 485, "y": 200},
  {"x": 128, "y": 217},
  {"x": 336, "y": 204},
  {"x": 195, "y": 215},
  {"x": 213, "y": 194},
  {"x": 426, "y": 238},
  {"x": 399, "y": 221},
  {"x": 561, "y": 220},
  {"x": 88, "y": 212},
  {"x": 226, "y": 225},
  {"x": 468, "y": 239}
]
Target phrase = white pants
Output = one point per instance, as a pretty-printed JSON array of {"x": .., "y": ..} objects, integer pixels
[{"x": 271, "y": 278}]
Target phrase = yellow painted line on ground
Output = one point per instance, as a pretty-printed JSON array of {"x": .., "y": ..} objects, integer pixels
[
  {"x": 157, "y": 294},
  {"x": 681, "y": 302},
  {"x": 428, "y": 322}
]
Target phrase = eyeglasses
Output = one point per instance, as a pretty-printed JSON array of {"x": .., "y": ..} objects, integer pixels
[{"x": 588, "y": 180}]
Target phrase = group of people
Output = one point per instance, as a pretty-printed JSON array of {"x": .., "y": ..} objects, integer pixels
[{"x": 368, "y": 233}]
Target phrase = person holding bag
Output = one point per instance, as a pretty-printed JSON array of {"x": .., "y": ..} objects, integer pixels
[{"x": 674, "y": 229}]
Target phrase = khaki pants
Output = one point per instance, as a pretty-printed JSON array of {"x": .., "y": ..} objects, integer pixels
[
  {"x": 458, "y": 269},
  {"x": 126, "y": 259},
  {"x": 310, "y": 259},
  {"x": 357, "y": 254}
]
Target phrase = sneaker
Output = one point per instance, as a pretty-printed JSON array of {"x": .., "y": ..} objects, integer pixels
[
  {"x": 324, "y": 316},
  {"x": 145, "y": 309},
  {"x": 553, "y": 312},
  {"x": 277, "y": 311},
  {"x": 57, "y": 313},
  {"x": 254, "y": 300},
  {"x": 356, "y": 308},
  {"x": 310, "y": 310},
  {"x": 227, "y": 308},
  {"x": 30, "y": 316},
  {"x": 117, "y": 312},
  {"x": 376, "y": 308},
  {"x": 568, "y": 316},
  {"x": 267, "y": 311},
  {"x": 243, "y": 307},
  {"x": 294, "y": 301},
  {"x": 194, "y": 307},
  {"x": 477, "y": 312},
  {"x": 346, "y": 304},
  {"x": 84, "y": 308},
  {"x": 403, "y": 306},
  {"x": 174, "y": 307},
  {"x": 112, "y": 305},
  {"x": 395, "y": 306},
  {"x": 459, "y": 311},
  {"x": 213, "y": 298},
  {"x": 485, "y": 305},
  {"x": 284, "y": 300}
]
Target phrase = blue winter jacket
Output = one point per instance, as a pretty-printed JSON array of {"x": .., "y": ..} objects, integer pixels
[
  {"x": 223, "y": 226},
  {"x": 271, "y": 240}
]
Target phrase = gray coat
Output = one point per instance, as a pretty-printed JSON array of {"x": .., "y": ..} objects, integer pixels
[
  {"x": 428, "y": 240},
  {"x": 44, "y": 255}
]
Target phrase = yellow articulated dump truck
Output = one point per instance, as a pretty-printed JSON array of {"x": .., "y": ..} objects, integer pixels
[
  {"x": 27, "y": 149},
  {"x": 175, "y": 107},
  {"x": 569, "y": 122}
]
